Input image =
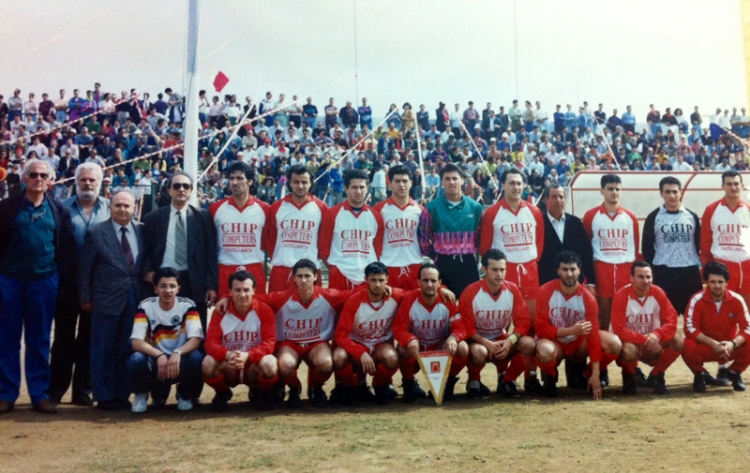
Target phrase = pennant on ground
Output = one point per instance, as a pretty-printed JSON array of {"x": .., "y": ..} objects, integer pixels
[
  {"x": 435, "y": 366},
  {"x": 220, "y": 81}
]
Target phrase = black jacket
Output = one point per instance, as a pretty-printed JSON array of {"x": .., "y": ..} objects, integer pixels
[{"x": 575, "y": 240}]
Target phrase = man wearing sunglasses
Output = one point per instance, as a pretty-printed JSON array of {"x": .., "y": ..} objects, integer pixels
[{"x": 37, "y": 251}]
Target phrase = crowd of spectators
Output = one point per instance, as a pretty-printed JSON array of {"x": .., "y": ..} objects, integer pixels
[{"x": 113, "y": 130}]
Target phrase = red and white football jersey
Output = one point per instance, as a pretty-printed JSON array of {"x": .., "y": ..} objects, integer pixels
[
  {"x": 291, "y": 232},
  {"x": 350, "y": 241},
  {"x": 725, "y": 233},
  {"x": 400, "y": 228},
  {"x": 364, "y": 324},
  {"x": 520, "y": 234},
  {"x": 556, "y": 310},
  {"x": 430, "y": 325},
  {"x": 613, "y": 239},
  {"x": 253, "y": 332},
  {"x": 299, "y": 323},
  {"x": 239, "y": 231},
  {"x": 489, "y": 314},
  {"x": 633, "y": 318}
]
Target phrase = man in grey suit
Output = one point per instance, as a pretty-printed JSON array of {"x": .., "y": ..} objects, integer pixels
[{"x": 109, "y": 287}]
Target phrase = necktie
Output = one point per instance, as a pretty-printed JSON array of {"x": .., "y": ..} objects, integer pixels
[
  {"x": 126, "y": 248},
  {"x": 180, "y": 241}
]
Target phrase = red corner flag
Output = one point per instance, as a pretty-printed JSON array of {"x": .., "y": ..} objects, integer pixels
[{"x": 220, "y": 81}]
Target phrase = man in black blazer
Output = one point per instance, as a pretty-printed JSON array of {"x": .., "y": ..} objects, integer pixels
[
  {"x": 109, "y": 287},
  {"x": 183, "y": 237}
]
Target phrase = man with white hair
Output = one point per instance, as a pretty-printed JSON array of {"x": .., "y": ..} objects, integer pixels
[
  {"x": 36, "y": 245},
  {"x": 72, "y": 325}
]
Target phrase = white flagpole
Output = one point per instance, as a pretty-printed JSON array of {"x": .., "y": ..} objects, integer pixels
[{"x": 192, "y": 123}]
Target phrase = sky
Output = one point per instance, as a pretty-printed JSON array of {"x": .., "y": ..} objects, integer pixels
[{"x": 677, "y": 53}]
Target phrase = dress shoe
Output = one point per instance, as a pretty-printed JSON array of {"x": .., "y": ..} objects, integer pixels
[
  {"x": 46, "y": 407},
  {"x": 83, "y": 400},
  {"x": 6, "y": 406}
]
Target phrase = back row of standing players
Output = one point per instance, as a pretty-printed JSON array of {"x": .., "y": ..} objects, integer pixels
[{"x": 453, "y": 231}]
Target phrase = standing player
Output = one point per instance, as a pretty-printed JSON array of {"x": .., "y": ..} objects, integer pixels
[
  {"x": 646, "y": 323},
  {"x": 351, "y": 235},
  {"x": 239, "y": 346},
  {"x": 671, "y": 243},
  {"x": 487, "y": 309},
  {"x": 291, "y": 232},
  {"x": 614, "y": 235},
  {"x": 401, "y": 215},
  {"x": 726, "y": 238},
  {"x": 568, "y": 326},
  {"x": 239, "y": 221},
  {"x": 425, "y": 321},
  {"x": 717, "y": 326}
]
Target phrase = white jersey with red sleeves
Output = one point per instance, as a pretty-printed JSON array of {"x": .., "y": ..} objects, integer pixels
[
  {"x": 519, "y": 234},
  {"x": 400, "y": 225},
  {"x": 350, "y": 241},
  {"x": 555, "y": 310},
  {"x": 291, "y": 232},
  {"x": 253, "y": 332},
  {"x": 300, "y": 323},
  {"x": 239, "y": 231},
  {"x": 614, "y": 239},
  {"x": 490, "y": 315},
  {"x": 430, "y": 325},
  {"x": 364, "y": 324},
  {"x": 633, "y": 317},
  {"x": 725, "y": 233}
]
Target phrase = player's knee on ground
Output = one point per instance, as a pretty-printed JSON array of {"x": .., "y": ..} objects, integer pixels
[
  {"x": 268, "y": 366},
  {"x": 478, "y": 355},
  {"x": 610, "y": 343},
  {"x": 210, "y": 367},
  {"x": 387, "y": 355},
  {"x": 677, "y": 343},
  {"x": 340, "y": 359},
  {"x": 629, "y": 352},
  {"x": 526, "y": 346},
  {"x": 545, "y": 351},
  {"x": 463, "y": 350}
]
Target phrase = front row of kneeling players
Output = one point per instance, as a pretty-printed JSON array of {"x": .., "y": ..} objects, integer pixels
[{"x": 260, "y": 340}]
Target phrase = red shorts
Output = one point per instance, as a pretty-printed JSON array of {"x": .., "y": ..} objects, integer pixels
[
  {"x": 302, "y": 349},
  {"x": 610, "y": 278},
  {"x": 281, "y": 279},
  {"x": 256, "y": 269},
  {"x": 569, "y": 349},
  {"x": 404, "y": 277},
  {"x": 336, "y": 280},
  {"x": 739, "y": 276},
  {"x": 525, "y": 276}
]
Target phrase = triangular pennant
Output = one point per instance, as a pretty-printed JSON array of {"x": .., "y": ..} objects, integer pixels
[
  {"x": 220, "y": 81},
  {"x": 435, "y": 366}
]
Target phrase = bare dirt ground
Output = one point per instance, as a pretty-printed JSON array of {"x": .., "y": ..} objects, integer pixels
[{"x": 680, "y": 432}]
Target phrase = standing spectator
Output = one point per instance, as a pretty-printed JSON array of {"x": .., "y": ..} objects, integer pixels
[
  {"x": 470, "y": 120},
  {"x": 348, "y": 115},
  {"x": 61, "y": 108},
  {"x": 423, "y": 118},
  {"x": 176, "y": 108},
  {"x": 628, "y": 120},
  {"x": 45, "y": 107},
  {"x": 15, "y": 105},
  {"x": 442, "y": 118},
  {"x": 266, "y": 105},
  {"x": 295, "y": 112},
  {"x": 408, "y": 118},
  {"x": 281, "y": 114},
  {"x": 310, "y": 112},
  {"x": 455, "y": 121},
  {"x": 36, "y": 246},
  {"x": 331, "y": 112}
]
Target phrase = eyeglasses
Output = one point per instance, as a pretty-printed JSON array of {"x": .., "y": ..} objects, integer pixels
[
  {"x": 177, "y": 186},
  {"x": 35, "y": 175}
]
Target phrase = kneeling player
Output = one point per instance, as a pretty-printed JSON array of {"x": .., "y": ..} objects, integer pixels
[
  {"x": 646, "y": 323},
  {"x": 166, "y": 335},
  {"x": 568, "y": 326},
  {"x": 425, "y": 321},
  {"x": 239, "y": 346},
  {"x": 717, "y": 326},
  {"x": 487, "y": 309}
]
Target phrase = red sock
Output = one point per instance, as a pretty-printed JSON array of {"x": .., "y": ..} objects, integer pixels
[
  {"x": 606, "y": 360},
  {"x": 345, "y": 376},
  {"x": 265, "y": 384},
  {"x": 529, "y": 363},
  {"x": 316, "y": 379},
  {"x": 548, "y": 368},
  {"x": 475, "y": 372},
  {"x": 219, "y": 383},
  {"x": 457, "y": 364},
  {"x": 407, "y": 367},
  {"x": 293, "y": 381},
  {"x": 667, "y": 357},
  {"x": 517, "y": 366},
  {"x": 383, "y": 375},
  {"x": 628, "y": 368}
]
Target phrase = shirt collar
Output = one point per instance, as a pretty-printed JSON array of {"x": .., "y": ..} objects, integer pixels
[
  {"x": 173, "y": 211},
  {"x": 553, "y": 219}
]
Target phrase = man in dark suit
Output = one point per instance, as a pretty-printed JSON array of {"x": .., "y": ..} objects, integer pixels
[{"x": 109, "y": 286}]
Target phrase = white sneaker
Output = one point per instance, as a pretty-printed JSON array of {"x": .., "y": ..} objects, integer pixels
[
  {"x": 141, "y": 403},
  {"x": 184, "y": 404}
]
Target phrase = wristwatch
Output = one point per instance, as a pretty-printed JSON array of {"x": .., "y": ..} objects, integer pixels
[
  {"x": 734, "y": 345},
  {"x": 177, "y": 351}
]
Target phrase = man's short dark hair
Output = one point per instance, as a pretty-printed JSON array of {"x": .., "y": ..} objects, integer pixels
[
  {"x": 567, "y": 257},
  {"x": 244, "y": 168},
  {"x": 512, "y": 171},
  {"x": 450, "y": 167},
  {"x": 166, "y": 272},
  {"x": 241, "y": 276},
  {"x": 493, "y": 254},
  {"x": 670, "y": 180},
  {"x": 299, "y": 169},
  {"x": 179, "y": 173},
  {"x": 352, "y": 174},
  {"x": 428, "y": 266},
  {"x": 304, "y": 263},
  {"x": 731, "y": 173},
  {"x": 376, "y": 267},
  {"x": 610, "y": 179},
  {"x": 638, "y": 264},
  {"x": 398, "y": 170},
  {"x": 715, "y": 268},
  {"x": 168, "y": 90}
]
